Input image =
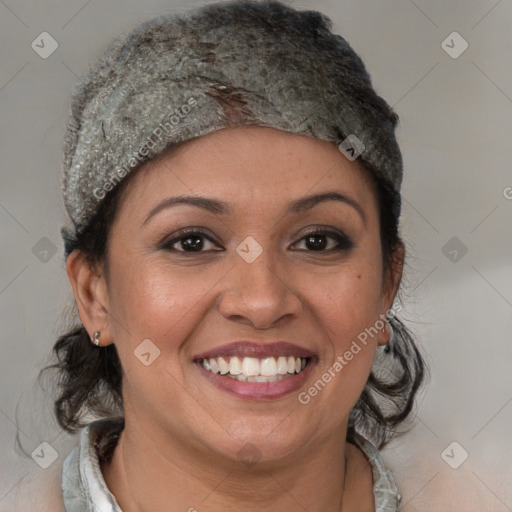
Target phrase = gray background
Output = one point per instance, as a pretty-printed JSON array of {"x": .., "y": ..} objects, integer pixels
[{"x": 455, "y": 134}]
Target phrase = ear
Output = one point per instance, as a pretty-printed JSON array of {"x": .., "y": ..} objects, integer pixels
[
  {"x": 91, "y": 295},
  {"x": 390, "y": 286}
]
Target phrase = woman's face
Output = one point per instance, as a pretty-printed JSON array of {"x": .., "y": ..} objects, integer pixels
[{"x": 244, "y": 282}]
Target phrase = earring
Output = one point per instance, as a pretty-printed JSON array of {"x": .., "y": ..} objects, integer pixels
[
  {"x": 387, "y": 348},
  {"x": 96, "y": 340}
]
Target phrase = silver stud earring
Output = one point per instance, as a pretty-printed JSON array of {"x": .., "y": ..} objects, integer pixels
[
  {"x": 387, "y": 348},
  {"x": 96, "y": 340}
]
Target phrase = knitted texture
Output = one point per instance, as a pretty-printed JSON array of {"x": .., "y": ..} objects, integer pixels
[{"x": 226, "y": 64}]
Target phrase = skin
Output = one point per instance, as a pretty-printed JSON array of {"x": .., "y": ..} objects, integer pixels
[{"x": 182, "y": 435}]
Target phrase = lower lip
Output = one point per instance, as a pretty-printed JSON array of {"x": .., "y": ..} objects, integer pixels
[{"x": 258, "y": 390}]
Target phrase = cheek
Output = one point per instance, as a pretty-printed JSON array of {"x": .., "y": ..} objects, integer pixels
[
  {"x": 156, "y": 302},
  {"x": 161, "y": 305},
  {"x": 347, "y": 308},
  {"x": 348, "y": 301}
]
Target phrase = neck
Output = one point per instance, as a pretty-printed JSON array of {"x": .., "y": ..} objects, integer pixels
[{"x": 147, "y": 473}]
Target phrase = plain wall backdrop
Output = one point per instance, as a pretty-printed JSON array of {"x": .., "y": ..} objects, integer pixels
[{"x": 455, "y": 108}]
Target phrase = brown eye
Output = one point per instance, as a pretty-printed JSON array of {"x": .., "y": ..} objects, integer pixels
[
  {"x": 318, "y": 241},
  {"x": 189, "y": 241},
  {"x": 193, "y": 243}
]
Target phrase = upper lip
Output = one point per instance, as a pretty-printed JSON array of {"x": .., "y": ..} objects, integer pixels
[{"x": 243, "y": 348}]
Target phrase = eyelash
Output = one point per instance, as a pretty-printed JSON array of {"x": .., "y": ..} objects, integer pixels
[{"x": 343, "y": 242}]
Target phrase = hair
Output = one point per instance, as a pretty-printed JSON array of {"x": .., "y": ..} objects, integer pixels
[{"x": 90, "y": 377}]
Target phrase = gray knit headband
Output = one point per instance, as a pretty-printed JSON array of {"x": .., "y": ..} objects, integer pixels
[{"x": 227, "y": 64}]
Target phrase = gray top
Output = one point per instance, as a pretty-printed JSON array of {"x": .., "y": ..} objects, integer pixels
[{"x": 85, "y": 490}]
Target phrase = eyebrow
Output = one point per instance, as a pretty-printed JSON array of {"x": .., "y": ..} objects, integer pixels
[{"x": 221, "y": 208}]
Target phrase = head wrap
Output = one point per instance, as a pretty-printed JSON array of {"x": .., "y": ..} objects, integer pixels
[{"x": 226, "y": 64}]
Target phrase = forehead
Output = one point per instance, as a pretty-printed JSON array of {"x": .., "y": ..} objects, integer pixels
[{"x": 248, "y": 164}]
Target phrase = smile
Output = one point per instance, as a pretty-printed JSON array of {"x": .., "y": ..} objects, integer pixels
[{"x": 252, "y": 369}]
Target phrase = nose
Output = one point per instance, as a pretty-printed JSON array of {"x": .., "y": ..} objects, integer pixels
[{"x": 257, "y": 294}]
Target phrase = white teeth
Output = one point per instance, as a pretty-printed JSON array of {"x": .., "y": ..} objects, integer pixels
[
  {"x": 214, "y": 366},
  {"x": 223, "y": 366},
  {"x": 235, "y": 368},
  {"x": 252, "y": 369},
  {"x": 282, "y": 365},
  {"x": 250, "y": 366},
  {"x": 262, "y": 378},
  {"x": 268, "y": 366}
]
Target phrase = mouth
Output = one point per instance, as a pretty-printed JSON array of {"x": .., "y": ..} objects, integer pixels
[
  {"x": 257, "y": 372},
  {"x": 252, "y": 369}
]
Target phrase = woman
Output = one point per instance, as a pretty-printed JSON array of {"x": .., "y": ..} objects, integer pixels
[{"x": 233, "y": 181}]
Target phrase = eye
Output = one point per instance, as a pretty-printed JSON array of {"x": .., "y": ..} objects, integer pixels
[
  {"x": 317, "y": 240},
  {"x": 194, "y": 240},
  {"x": 189, "y": 241}
]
